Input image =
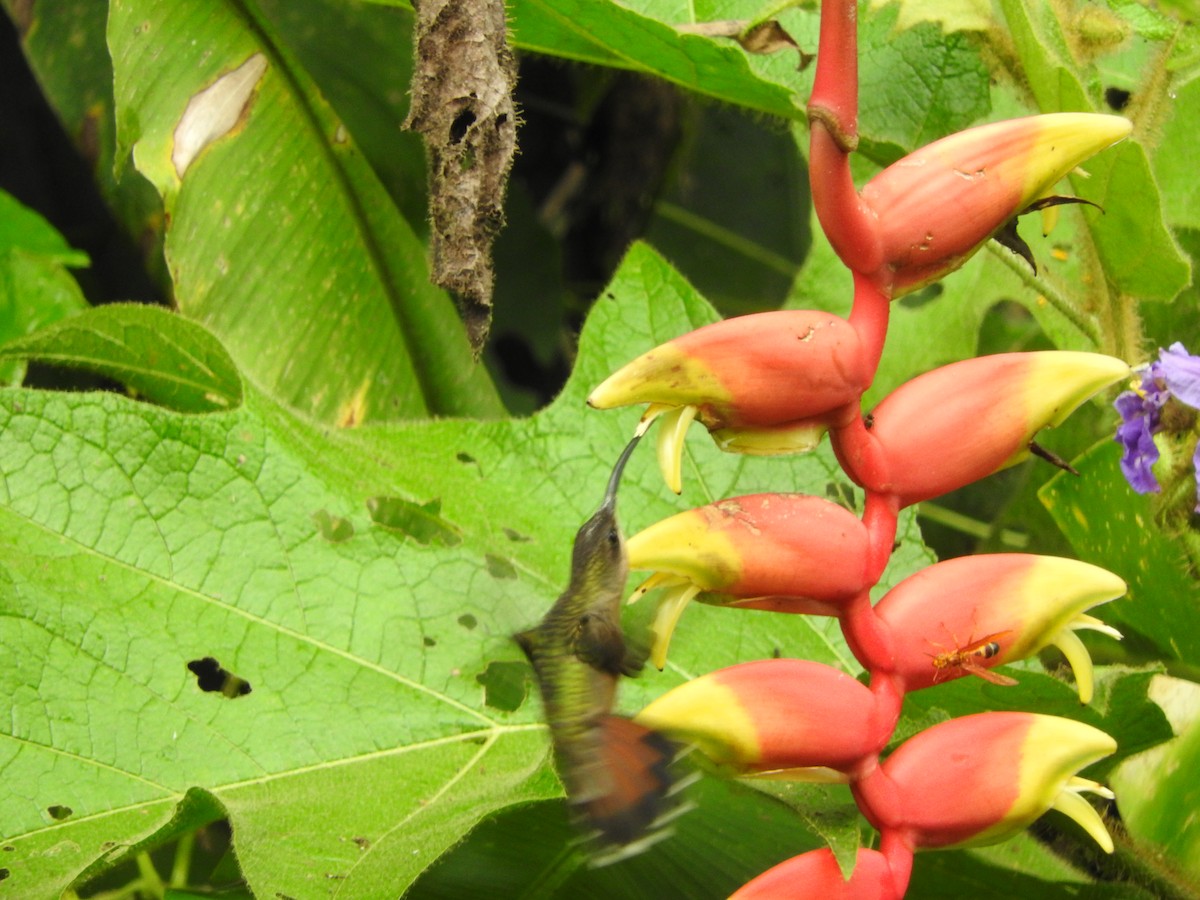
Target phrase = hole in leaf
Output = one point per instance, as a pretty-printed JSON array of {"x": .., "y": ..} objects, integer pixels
[
  {"x": 428, "y": 641},
  {"x": 4, "y": 873},
  {"x": 499, "y": 567},
  {"x": 333, "y": 528},
  {"x": 464, "y": 458},
  {"x": 420, "y": 521},
  {"x": 1116, "y": 98},
  {"x": 212, "y": 678},
  {"x": 58, "y": 812},
  {"x": 505, "y": 685},
  {"x": 463, "y": 121},
  {"x": 468, "y": 621},
  {"x": 513, "y": 535},
  {"x": 50, "y": 377}
]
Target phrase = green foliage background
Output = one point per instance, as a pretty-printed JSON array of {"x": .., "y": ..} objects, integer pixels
[{"x": 365, "y": 580}]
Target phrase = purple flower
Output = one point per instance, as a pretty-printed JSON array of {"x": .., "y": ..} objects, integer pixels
[
  {"x": 1175, "y": 373},
  {"x": 1181, "y": 373}
]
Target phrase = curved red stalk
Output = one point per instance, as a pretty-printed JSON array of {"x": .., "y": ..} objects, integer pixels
[
  {"x": 869, "y": 317},
  {"x": 879, "y": 800},
  {"x": 833, "y": 133},
  {"x": 880, "y": 515},
  {"x": 867, "y": 635},
  {"x": 898, "y": 851},
  {"x": 834, "y": 97}
]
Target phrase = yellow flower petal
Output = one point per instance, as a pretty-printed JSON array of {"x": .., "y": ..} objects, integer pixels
[
  {"x": 670, "y": 608},
  {"x": 1081, "y": 662},
  {"x": 672, "y": 431},
  {"x": 1084, "y": 622},
  {"x": 1071, "y": 804}
]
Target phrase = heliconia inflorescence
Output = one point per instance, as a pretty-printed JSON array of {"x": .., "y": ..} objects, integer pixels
[{"x": 776, "y": 383}]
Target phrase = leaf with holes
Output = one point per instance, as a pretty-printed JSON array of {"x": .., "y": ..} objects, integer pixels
[{"x": 244, "y": 613}]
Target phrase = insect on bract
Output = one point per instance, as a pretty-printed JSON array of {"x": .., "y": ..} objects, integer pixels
[{"x": 969, "y": 659}]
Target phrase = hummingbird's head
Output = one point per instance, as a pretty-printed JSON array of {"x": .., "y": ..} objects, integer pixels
[{"x": 598, "y": 558}]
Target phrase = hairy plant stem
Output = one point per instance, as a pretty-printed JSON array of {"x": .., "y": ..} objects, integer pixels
[{"x": 1060, "y": 302}]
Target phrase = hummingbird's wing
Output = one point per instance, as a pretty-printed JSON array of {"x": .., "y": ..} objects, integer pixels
[{"x": 600, "y": 643}]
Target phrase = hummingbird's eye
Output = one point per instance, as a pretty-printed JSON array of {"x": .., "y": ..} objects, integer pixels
[{"x": 614, "y": 538}]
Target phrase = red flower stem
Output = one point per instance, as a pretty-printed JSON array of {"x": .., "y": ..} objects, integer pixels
[
  {"x": 889, "y": 698},
  {"x": 869, "y": 317},
  {"x": 878, "y": 798},
  {"x": 864, "y": 459},
  {"x": 834, "y": 97},
  {"x": 866, "y": 634},
  {"x": 880, "y": 517},
  {"x": 833, "y": 134},
  {"x": 898, "y": 852},
  {"x": 851, "y": 228}
]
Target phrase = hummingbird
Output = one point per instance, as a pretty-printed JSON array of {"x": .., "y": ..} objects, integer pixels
[{"x": 615, "y": 771}]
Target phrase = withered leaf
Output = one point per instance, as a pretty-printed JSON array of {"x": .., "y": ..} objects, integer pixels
[{"x": 764, "y": 38}]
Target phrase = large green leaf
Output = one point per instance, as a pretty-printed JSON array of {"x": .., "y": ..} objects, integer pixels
[
  {"x": 280, "y": 237},
  {"x": 1181, "y": 188},
  {"x": 612, "y": 34},
  {"x": 136, "y": 540},
  {"x": 23, "y": 229},
  {"x": 359, "y": 56}
]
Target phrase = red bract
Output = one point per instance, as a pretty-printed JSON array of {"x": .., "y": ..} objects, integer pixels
[
  {"x": 961, "y": 422},
  {"x": 938, "y": 205},
  {"x": 982, "y": 778},
  {"x": 774, "y": 716},
  {"x": 815, "y": 876},
  {"x": 728, "y": 376},
  {"x": 784, "y": 552},
  {"x": 963, "y": 616}
]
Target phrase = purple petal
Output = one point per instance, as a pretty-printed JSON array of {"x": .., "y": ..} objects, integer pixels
[
  {"x": 1180, "y": 371},
  {"x": 1135, "y": 434},
  {"x": 1196, "y": 469},
  {"x": 1154, "y": 386}
]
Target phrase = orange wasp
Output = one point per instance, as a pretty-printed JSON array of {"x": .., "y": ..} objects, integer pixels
[{"x": 970, "y": 659}]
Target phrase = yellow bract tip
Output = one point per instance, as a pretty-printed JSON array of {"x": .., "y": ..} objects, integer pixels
[{"x": 671, "y": 434}]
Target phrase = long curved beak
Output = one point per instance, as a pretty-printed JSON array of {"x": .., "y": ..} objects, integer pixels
[{"x": 614, "y": 480}]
